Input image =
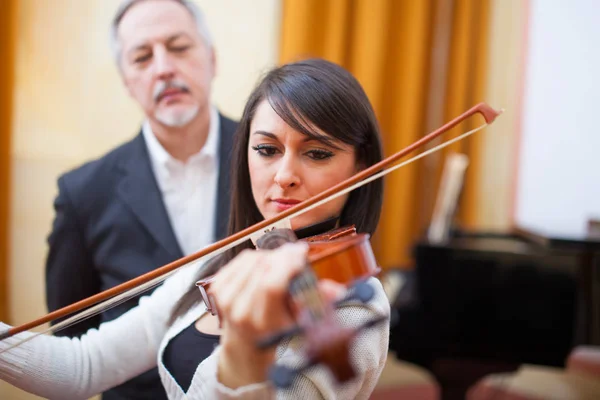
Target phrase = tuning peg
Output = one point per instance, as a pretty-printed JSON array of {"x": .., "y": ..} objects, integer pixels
[
  {"x": 282, "y": 377},
  {"x": 363, "y": 291},
  {"x": 276, "y": 338},
  {"x": 360, "y": 291}
]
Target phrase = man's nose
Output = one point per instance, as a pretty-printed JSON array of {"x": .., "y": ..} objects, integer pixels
[
  {"x": 288, "y": 173},
  {"x": 163, "y": 64}
]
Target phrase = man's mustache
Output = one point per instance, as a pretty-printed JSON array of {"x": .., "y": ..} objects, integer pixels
[{"x": 162, "y": 86}]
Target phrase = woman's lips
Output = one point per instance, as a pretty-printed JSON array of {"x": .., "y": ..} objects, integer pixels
[{"x": 284, "y": 204}]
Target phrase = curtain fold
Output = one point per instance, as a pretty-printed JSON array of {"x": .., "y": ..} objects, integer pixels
[
  {"x": 7, "y": 37},
  {"x": 466, "y": 82},
  {"x": 421, "y": 63}
]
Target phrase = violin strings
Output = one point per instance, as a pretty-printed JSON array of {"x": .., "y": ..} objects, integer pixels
[
  {"x": 303, "y": 293},
  {"x": 107, "y": 304},
  {"x": 310, "y": 295}
]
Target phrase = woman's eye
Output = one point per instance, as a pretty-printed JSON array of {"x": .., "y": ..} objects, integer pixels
[
  {"x": 319, "y": 154},
  {"x": 265, "y": 150}
]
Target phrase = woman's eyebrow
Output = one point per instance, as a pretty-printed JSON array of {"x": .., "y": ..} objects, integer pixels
[
  {"x": 265, "y": 133},
  {"x": 326, "y": 140}
]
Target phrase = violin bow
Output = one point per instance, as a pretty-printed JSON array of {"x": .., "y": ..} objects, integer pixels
[{"x": 116, "y": 295}]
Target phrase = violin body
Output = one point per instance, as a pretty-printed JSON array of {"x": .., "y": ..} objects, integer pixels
[
  {"x": 341, "y": 255},
  {"x": 344, "y": 259}
]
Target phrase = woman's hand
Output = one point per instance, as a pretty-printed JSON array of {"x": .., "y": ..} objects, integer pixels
[{"x": 251, "y": 294}]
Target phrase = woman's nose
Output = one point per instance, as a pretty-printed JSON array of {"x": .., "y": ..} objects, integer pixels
[{"x": 287, "y": 175}]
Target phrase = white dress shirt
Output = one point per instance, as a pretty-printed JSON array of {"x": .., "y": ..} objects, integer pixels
[{"x": 189, "y": 190}]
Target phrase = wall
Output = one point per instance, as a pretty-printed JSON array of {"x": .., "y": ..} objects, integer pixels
[
  {"x": 558, "y": 185},
  {"x": 508, "y": 23},
  {"x": 69, "y": 107}
]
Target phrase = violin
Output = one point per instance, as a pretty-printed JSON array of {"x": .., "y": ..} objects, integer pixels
[{"x": 341, "y": 255}]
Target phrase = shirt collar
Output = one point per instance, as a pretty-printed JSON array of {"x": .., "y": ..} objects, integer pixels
[{"x": 162, "y": 159}]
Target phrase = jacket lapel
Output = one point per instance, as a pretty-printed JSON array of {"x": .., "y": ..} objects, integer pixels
[{"x": 139, "y": 191}]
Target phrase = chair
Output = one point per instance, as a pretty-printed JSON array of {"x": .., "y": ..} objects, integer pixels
[
  {"x": 585, "y": 360},
  {"x": 579, "y": 380},
  {"x": 401, "y": 380}
]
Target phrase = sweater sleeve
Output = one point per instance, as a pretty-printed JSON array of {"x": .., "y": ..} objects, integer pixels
[
  {"x": 368, "y": 355},
  {"x": 63, "y": 368}
]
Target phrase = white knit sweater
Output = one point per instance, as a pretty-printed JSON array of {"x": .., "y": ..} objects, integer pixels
[{"x": 63, "y": 368}]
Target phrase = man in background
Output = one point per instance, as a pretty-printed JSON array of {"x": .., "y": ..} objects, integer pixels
[{"x": 158, "y": 197}]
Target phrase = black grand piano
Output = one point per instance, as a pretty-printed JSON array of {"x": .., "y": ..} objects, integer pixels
[{"x": 486, "y": 302}]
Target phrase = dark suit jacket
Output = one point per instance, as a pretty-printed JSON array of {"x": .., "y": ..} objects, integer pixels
[{"x": 111, "y": 226}]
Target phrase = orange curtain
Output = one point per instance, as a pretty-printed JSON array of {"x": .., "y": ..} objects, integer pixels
[
  {"x": 421, "y": 63},
  {"x": 7, "y": 17}
]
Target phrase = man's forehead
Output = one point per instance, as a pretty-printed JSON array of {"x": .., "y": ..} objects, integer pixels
[{"x": 153, "y": 20}]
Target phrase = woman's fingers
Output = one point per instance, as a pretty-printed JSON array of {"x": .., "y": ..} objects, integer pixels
[
  {"x": 230, "y": 281},
  {"x": 272, "y": 310},
  {"x": 243, "y": 306},
  {"x": 251, "y": 291},
  {"x": 284, "y": 263}
]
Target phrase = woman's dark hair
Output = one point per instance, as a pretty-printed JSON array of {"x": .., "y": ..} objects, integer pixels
[{"x": 308, "y": 94}]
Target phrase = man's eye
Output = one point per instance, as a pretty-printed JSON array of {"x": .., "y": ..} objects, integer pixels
[
  {"x": 179, "y": 49},
  {"x": 319, "y": 154},
  {"x": 265, "y": 150},
  {"x": 142, "y": 58}
]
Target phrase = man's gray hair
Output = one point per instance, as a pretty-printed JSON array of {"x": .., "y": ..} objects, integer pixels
[{"x": 127, "y": 4}]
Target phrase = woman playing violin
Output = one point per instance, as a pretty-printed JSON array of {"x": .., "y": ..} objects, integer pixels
[{"x": 306, "y": 127}]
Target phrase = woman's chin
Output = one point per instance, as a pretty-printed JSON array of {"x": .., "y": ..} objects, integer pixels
[
  {"x": 303, "y": 222},
  {"x": 299, "y": 222}
]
